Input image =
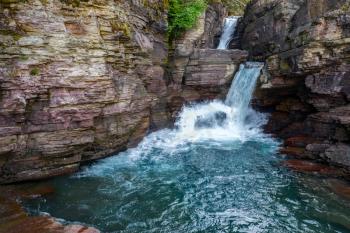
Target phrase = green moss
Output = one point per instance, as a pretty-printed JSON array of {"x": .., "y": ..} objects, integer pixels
[
  {"x": 303, "y": 38},
  {"x": 35, "y": 72},
  {"x": 16, "y": 36},
  {"x": 156, "y": 10},
  {"x": 346, "y": 7},
  {"x": 284, "y": 65},
  {"x": 24, "y": 58},
  {"x": 44, "y": 2},
  {"x": 11, "y": 1},
  {"x": 121, "y": 27}
]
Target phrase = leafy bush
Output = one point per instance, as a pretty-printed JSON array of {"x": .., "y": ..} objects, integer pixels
[{"x": 183, "y": 15}]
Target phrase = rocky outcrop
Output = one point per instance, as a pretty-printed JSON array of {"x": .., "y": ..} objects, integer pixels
[
  {"x": 207, "y": 75},
  {"x": 79, "y": 80},
  {"x": 306, "y": 47},
  {"x": 197, "y": 70}
]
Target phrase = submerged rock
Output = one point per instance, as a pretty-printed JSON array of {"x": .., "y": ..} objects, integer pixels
[
  {"x": 212, "y": 120},
  {"x": 340, "y": 187},
  {"x": 306, "y": 166},
  {"x": 14, "y": 219}
]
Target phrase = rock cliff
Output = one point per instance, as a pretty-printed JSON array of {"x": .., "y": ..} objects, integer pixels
[
  {"x": 306, "y": 45},
  {"x": 78, "y": 81},
  {"x": 81, "y": 80}
]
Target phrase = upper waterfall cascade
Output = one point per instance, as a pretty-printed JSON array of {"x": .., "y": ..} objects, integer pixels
[
  {"x": 242, "y": 88},
  {"x": 228, "y": 32}
]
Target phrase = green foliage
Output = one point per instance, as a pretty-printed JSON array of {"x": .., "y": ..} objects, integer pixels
[
  {"x": 35, "y": 72},
  {"x": 183, "y": 15},
  {"x": 346, "y": 7}
]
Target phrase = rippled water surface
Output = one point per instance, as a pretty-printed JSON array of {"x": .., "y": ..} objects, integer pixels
[
  {"x": 203, "y": 186},
  {"x": 215, "y": 172}
]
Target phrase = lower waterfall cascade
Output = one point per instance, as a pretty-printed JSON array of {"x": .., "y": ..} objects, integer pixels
[{"x": 215, "y": 171}]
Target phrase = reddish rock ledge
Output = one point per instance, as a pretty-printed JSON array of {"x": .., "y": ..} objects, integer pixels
[
  {"x": 14, "y": 219},
  {"x": 306, "y": 166}
]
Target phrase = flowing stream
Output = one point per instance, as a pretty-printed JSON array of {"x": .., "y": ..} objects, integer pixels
[
  {"x": 216, "y": 171},
  {"x": 228, "y": 31}
]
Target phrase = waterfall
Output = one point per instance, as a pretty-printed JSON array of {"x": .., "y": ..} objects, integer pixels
[
  {"x": 242, "y": 88},
  {"x": 228, "y": 31},
  {"x": 231, "y": 119}
]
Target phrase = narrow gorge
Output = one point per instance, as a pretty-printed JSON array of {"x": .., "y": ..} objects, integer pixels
[{"x": 112, "y": 119}]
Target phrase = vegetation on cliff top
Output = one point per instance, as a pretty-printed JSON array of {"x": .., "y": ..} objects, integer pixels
[{"x": 183, "y": 14}]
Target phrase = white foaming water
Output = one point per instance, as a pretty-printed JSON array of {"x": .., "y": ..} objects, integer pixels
[
  {"x": 242, "y": 89},
  {"x": 228, "y": 31},
  {"x": 232, "y": 120},
  {"x": 216, "y": 122}
]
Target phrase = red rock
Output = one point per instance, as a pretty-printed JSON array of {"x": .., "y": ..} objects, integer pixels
[
  {"x": 80, "y": 229},
  {"x": 293, "y": 151},
  {"x": 299, "y": 141},
  {"x": 13, "y": 218},
  {"x": 310, "y": 167}
]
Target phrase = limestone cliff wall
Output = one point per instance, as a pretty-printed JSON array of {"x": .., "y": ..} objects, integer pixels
[
  {"x": 306, "y": 45},
  {"x": 84, "y": 79},
  {"x": 78, "y": 81}
]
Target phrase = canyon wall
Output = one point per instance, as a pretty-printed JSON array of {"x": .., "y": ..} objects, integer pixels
[
  {"x": 306, "y": 44},
  {"x": 78, "y": 81},
  {"x": 82, "y": 80}
]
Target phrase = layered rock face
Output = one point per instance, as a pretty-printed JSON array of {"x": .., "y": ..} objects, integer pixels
[
  {"x": 306, "y": 44},
  {"x": 79, "y": 80},
  {"x": 197, "y": 69}
]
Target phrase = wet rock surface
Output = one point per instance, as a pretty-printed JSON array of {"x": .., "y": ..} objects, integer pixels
[
  {"x": 13, "y": 218},
  {"x": 215, "y": 119},
  {"x": 306, "y": 46}
]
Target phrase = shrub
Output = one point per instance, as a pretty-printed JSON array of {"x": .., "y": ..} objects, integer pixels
[
  {"x": 35, "y": 72},
  {"x": 183, "y": 15}
]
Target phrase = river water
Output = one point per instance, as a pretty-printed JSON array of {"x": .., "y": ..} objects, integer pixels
[{"x": 215, "y": 171}]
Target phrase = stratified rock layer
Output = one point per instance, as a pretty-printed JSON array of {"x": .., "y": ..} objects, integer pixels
[
  {"x": 81, "y": 80},
  {"x": 306, "y": 45},
  {"x": 198, "y": 71},
  {"x": 76, "y": 81}
]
